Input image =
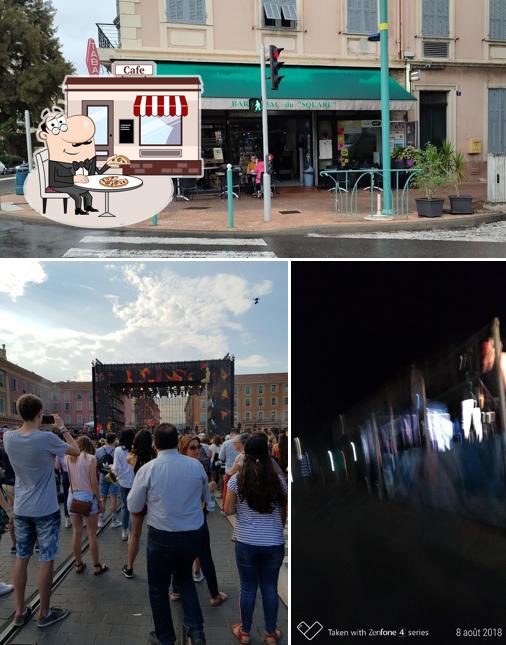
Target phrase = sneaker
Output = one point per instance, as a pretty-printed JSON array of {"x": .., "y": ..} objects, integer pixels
[
  {"x": 68, "y": 523},
  {"x": 5, "y": 588},
  {"x": 115, "y": 524},
  {"x": 55, "y": 614},
  {"x": 124, "y": 534},
  {"x": 19, "y": 621},
  {"x": 13, "y": 550},
  {"x": 128, "y": 573},
  {"x": 100, "y": 522},
  {"x": 198, "y": 577}
]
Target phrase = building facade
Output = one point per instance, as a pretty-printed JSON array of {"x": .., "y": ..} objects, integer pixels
[
  {"x": 260, "y": 400},
  {"x": 447, "y": 55},
  {"x": 73, "y": 401}
]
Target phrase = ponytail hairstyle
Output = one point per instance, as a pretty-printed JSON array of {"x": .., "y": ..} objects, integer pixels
[
  {"x": 85, "y": 444},
  {"x": 257, "y": 481}
]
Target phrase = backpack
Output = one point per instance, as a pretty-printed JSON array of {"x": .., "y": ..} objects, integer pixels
[{"x": 105, "y": 462}]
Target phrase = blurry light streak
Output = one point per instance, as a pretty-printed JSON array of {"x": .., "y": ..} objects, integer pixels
[
  {"x": 331, "y": 461},
  {"x": 299, "y": 449},
  {"x": 345, "y": 466},
  {"x": 354, "y": 451}
]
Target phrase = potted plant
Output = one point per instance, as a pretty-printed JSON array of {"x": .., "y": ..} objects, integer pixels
[
  {"x": 409, "y": 155},
  {"x": 461, "y": 204},
  {"x": 397, "y": 157},
  {"x": 431, "y": 175}
]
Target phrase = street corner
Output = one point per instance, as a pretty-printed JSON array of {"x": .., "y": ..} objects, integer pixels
[{"x": 130, "y": 203}]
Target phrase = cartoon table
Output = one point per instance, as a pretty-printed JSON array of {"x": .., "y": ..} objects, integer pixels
[{"x": 95, "y": 186}]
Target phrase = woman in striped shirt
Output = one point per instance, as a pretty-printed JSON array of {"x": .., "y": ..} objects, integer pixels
[{"x": 258, "y": 495}]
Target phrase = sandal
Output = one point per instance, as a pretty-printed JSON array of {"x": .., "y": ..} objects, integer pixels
[
  {"x": 220, "y": 598},
  {"x": 80, "y": 567},
  {"x": 100, "y": 569},
  {"x": 242, "y": 637},
  {"x": 272, "y": 639}
]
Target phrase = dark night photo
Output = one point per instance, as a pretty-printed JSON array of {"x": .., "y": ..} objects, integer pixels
[{"x": 398, "y": 452}]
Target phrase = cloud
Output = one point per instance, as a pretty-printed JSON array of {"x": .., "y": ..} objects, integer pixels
[
  {"x": 165, "y": 317},
  {"x": 255, "y": 360},
  {"x": 15, "y": 275}
]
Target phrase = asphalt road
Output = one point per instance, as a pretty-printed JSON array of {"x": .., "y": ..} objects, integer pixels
[
  {"x": 360, "y": 563},
  {"x": 20, "y": 239},
  {"x": 7, "y": 184}
]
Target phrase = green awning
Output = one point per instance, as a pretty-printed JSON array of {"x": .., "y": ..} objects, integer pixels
[{"x": 359, "y": 87}]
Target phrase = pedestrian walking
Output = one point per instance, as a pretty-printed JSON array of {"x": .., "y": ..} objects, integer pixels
[
  {"x": 258, "y": 495},
  {"x": 214, "y": 458},
  {"x": 105, "y": 459},
  {"x": 227, "y": 455},
  {"x": 84, "y": 501},
  {"x": 61, "y": 466},
  {"x": 36, "y": 511},
  {"x": 142, "y": 452},
  {"x": 190, "y": 446},
  {"x": 124, "y": 474},
  {"x": 173, "y": 487}
]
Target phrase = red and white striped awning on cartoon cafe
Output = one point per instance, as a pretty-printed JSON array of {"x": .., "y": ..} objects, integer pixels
[{"x": 161, "y": 106}]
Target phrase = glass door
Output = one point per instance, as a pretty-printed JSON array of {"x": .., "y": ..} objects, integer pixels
[{"x": 102, "y": 114}]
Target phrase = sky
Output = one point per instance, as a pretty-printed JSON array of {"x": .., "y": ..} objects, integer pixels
[
  {"x": 56, "y": 317},
  {"x": 75, "y": 23},
  {"x": 355, "y": 325}
]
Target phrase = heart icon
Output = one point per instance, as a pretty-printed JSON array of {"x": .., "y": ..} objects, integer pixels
[{"x": 310, "y": 631}]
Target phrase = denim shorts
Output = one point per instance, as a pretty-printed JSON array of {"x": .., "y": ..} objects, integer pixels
[
  {"x": 107, "y": 489},
  {"x": 83, "y": 496},
  {"x": 46, "y": 530}
]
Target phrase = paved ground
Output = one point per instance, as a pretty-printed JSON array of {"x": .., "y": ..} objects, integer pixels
[
  {"x": 111, "y": 610},
  {"x": 373, "y": 564}
]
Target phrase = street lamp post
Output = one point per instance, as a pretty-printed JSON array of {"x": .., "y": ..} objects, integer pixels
[{"x": 385, "y": 113}]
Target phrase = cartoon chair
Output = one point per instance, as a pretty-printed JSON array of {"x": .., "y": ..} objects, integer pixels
[{"x": 46, "y": 192}]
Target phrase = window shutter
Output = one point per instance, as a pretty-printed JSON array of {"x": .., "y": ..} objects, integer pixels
[
  {"x": 355, "y": 23},
  {"x": 196, "y": 11},
  {"x": 371, "y": 16},
  {"x": 436, "y": 18},
  {"x": 175, "y": 11},
  {"x": 497, "y": 121},
  {"x": 497, "y": 20}
]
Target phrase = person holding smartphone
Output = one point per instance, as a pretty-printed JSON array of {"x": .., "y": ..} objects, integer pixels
[{"x": 36, "y": 511}]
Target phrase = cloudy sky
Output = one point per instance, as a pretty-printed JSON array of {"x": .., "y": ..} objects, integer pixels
[
  {"x": 75, "y": 23},
  {"x": 56, "y": 317}
]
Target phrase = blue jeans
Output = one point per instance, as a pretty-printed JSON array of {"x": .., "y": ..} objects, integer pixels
[
  {"x": 173, "y": 554},
  {"x": 259, "y": 566},
  {"x": 125, "y": 515}
]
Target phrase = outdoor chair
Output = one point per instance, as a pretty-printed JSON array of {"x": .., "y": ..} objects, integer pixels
[
  {"x": 187, "y": 188},
  {"x": 236, "y": 183},
  {"x": 42, "y": 158}
]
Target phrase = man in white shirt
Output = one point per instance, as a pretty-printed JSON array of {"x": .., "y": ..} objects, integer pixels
[{"x": 172, "y": 487}]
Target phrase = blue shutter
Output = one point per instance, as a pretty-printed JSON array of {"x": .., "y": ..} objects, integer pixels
[
  {"x": 355, "y": 17},
  {"x": 497, "y": 121},
  {"x": 175, "y": 11},
  {"x": 436, "y": 18},
  {"x": 196, "y": 11},
  {"x": 498, "y": 19},
  {"x": 371, "y": 16}
]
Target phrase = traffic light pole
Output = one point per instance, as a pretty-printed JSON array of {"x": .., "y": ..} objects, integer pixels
[{"x": 265, "y": 129}]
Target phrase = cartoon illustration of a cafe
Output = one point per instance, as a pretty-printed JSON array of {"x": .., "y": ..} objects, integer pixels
[{"x": 154, "y": 121}]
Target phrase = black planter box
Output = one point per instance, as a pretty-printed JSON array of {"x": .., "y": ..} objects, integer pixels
[
  {"x": 430, "y": 207},
  {"x": 462, "y": 205}
]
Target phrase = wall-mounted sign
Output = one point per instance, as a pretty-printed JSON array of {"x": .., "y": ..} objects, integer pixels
[
  {"x": 134, "y": 68},
  {"x": 92, "y": 58}
]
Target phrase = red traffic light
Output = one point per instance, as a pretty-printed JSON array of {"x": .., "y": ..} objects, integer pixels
[{"x": 276, "y": 66}]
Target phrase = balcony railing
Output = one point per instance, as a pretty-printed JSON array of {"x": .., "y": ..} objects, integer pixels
[{"x": 108, "y": 36}]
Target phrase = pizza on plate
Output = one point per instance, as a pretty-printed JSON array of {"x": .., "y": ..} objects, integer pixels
[{"x": 113, "y": 181}]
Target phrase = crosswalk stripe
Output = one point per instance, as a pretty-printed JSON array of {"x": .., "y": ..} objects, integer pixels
[
  {"x": 163, "y": 253},
  {"x": 172, "y": 241}
]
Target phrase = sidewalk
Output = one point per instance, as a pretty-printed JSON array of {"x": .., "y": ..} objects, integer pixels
[
  {"x": 315, "y": 211},
  {"x": 111, "y": 610}
]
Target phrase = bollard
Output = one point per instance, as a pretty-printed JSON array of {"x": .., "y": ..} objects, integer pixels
[
  {"x": 154, "y": 220},
  {"x": 230, "y": 195}
]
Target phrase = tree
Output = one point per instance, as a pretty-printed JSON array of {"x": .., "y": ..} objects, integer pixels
[{"x": 32, "y": 67}]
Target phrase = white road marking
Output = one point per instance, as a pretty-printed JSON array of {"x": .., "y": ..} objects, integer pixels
[
  {"x": 172, "y": 241},
  {"x": 163, "y": 253},
  {"x": 8, "y": 177}
]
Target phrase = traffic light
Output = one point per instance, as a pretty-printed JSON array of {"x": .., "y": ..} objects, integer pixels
[{"x": 276, "y": 65}]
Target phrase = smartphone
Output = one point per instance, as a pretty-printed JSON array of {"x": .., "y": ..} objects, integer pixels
[{"x": 48, "y": 419}]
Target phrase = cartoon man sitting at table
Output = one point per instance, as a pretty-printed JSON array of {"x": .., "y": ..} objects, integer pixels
[{"x": 72, "y": 156}]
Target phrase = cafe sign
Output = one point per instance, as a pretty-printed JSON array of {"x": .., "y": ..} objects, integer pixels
[
  {"x": 303, "y": 104},
  {"x": 134, "y": 68}
]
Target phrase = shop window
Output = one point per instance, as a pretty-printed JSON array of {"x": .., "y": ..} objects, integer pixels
[
  {"x": 436, "y": 18},
  {"x": 362, "y": 16},
  {"x": 190, "y": 11},
  {"x": 497, "y": 121},
  {"x": 280, "y": 14},
  {"x": 497, "y": 20},
  {"x": 161, "y": 130}
]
